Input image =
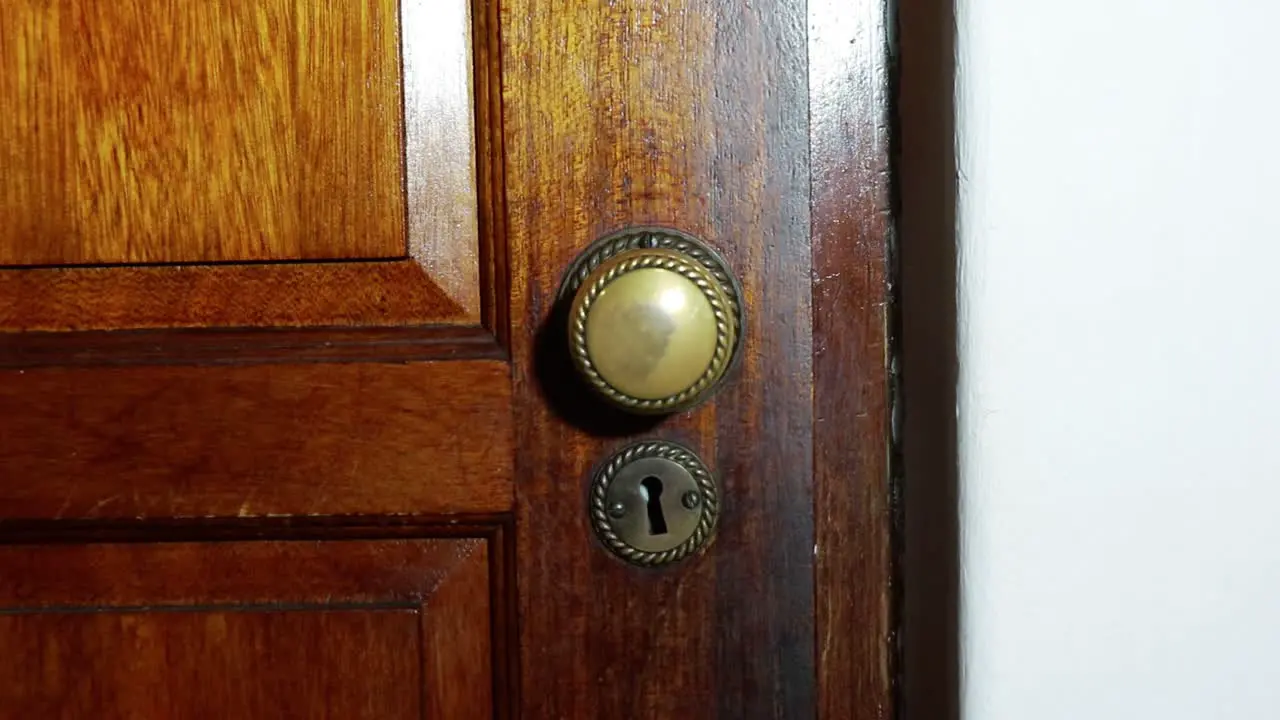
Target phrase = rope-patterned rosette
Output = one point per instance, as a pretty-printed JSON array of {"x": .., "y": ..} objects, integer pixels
[{"x": 709, "y": 503}]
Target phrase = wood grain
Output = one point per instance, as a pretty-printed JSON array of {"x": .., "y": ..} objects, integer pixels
[
  {"x": 352, "y": 664},
  {"x": 457, "y": 657},
  {"x": 157, "y": 465},
  {"x": 172, "y": 132},
  {"x": 314, "y": 570},
  {"x": 179, "y": 441},
  {"x": 491, "y": 188},
  {"x": 31, "y": 350},
  {"x": 853, "y": 490},
  {"x": 312, "y": 628},
  {"x": 692, "y": 114},
  {"x": 202, "y": 296}
]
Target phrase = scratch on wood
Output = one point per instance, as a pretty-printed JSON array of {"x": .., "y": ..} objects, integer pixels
[{"x": 101, "y": 504}]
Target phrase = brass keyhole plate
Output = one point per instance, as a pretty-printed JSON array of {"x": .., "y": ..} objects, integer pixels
[{"x": 654, "y": 503}]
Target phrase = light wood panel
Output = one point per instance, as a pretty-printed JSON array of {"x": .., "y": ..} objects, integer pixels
[
  {"x": 144, "y": 131},
  {"x": 368, "y": 119},
  {"x": 21, "y": 351}
]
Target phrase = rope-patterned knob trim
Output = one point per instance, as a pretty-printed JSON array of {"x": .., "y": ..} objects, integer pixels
[
  {"x": 658, "y": 238},
  {"x": 695, "y": 274},
  {"x": 709, "y": 505},
  {"x": 696, "y": 260}
]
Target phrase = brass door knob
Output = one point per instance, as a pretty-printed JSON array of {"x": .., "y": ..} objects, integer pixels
[{"x": 655, "y": 319}]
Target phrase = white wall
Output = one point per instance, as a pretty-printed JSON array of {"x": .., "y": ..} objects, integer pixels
[{"x": 1119, "y": 378}]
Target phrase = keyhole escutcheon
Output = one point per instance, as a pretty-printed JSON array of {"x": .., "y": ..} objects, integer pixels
[{"x": 653, "y": 503}]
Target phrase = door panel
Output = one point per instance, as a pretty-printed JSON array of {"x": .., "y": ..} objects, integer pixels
[
  {"x": 273, "y": 628},
  {"x": 249, "y": 132}
]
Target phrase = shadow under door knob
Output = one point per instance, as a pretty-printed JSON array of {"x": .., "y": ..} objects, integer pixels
[{"x": 655, "y": 319}]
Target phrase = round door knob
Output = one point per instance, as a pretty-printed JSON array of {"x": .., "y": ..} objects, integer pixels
[{"x": 654, "y": 319}]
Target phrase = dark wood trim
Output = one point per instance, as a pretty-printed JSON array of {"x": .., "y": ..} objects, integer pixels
[
  {"x": 852, "y": 390},
  {"x": 247, "y": 346},
  {"x": 692, "y": 116},
  {"x": 506, "y": 616},
  {"x": 491, "y": 171},
  {"x": 490, "y": 526}
]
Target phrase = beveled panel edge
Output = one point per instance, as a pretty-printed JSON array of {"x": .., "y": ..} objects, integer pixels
[
  {"x": 440, "y": 146},
  {"x": 458, "y": 665},
  {"x": 175, "y": 576},
  {"x": 455, "y": 541},
  {"x": 155, "y": 297},
  {"x": 246, "y": 346}
]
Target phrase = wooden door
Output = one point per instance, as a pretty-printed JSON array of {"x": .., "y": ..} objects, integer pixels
[{"x": 287, "y": 428}]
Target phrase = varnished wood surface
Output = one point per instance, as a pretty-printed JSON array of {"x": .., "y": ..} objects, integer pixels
[
  {"x": 691, "y": 114},
  {"x": 33, "y": 350},
  {"x": 343, "y": 199},
  {"x": 350, "y": 664},
  {"x": 491, "y": 188},
  {"x": 440, "y": 146},
  {"x": 174, "y": 132},
  {"x": 183, "y": 441},
  {"x": 313, "y": 569},
  {"x": 241, "y": 628},
  {"x": 194, "y": 296},
  {"x": 853, "y": 491},
  {"x": 457, "y": 645}
]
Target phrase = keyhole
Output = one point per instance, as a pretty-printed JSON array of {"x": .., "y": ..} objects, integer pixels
[{"x": 651, "y": 490}]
